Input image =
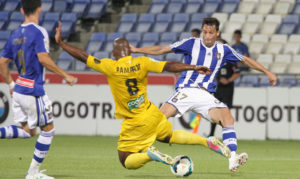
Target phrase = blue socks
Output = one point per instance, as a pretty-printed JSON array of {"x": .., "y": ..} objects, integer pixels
[
  {"x": 12, "y": 131},
  {"x": 229, "y": 138},
  {"x": 41, "y": 149},
  {"x": 42, "y": 145}
]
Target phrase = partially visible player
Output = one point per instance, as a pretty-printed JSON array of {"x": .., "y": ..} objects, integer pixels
[
  {"x": 196, "y": 33},
  {"x": 225, "y": 85},
  {"x": 28, "y": 47},
  {"x": 143, "y": 122},
  {"x": 197, "y": 87},
  {"x": 238, "y": 45}
]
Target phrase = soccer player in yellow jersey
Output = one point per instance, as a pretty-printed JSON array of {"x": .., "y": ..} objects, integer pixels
[{"x": 143, "y": 122}]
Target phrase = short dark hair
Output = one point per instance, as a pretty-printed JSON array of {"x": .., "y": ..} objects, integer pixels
[
  {"x": 211, "y": 21},
  {"x": 30, "y": 6},
  {"x": 238, "y": 32},
  {"x": 196, "y": 30},
  {"x": 222, "y": 41}
]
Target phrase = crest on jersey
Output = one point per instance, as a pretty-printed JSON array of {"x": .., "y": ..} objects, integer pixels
[{"x": 218, "y": 56}]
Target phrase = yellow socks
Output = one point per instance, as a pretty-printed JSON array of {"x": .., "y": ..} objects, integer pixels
[
  {"x": 136, "y": 160},
  {"x": 184, "y": 137}
]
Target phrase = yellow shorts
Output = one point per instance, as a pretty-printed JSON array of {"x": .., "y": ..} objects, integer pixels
[{"x": 137, "y": 134}]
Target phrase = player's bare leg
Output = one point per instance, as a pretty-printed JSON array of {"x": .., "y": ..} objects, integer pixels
[
  {"x": 184, "y": 137},
  {"x": 123, "y": 156},
  {"x": 223, "y": 117},
  {"x": 168, "y": 110},
  {"x": 41, "y": 149},
  {"x": 25, "y": 127}
]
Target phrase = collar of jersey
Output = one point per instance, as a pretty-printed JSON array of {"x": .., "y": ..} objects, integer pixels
[
  {"x": 127, "y": 58},
  {"x": 205, "y": 45},
  {"x": 30, "y": 23}
]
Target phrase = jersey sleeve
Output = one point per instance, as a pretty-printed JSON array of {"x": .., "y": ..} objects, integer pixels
[
  {"x": 42, "y": 41},
  {"x": 246, "y": 49},
  {"x": 184, "y": 46},
  {"x": 153, "y": 65},
  {"x": 7, "y": 51},
  {"x": 101, "y": 65},
  {"x": 232, "y": 56}
]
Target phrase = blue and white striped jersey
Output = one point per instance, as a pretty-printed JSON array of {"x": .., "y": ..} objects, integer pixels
[
  {"x": 22, "y": 47},
  {"x": 196, "y": 53}
]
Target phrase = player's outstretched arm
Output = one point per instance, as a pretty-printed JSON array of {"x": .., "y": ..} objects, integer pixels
[
  {"x": 74, "y": 51},
  {"x": 257, "y": 66},
  {"x": 4, "y": 70},
  {"x": 153, "y": 50},
  {"x": 48, "y": 63},
  {"x": 175, "y": 67}
]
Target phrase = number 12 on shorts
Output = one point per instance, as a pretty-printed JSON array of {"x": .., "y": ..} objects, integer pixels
[{"x": 178, "y": 96}]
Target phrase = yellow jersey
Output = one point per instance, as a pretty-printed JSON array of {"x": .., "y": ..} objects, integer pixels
[{"x": 127, "y": 78}]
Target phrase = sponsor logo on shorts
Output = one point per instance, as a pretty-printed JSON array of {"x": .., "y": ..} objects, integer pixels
[
  {"x": 136, "y": 102},
  {"x": 4, "y": 107}
]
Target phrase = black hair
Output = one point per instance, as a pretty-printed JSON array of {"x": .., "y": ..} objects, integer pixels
[
  {"x": 211, "y": 21},
  {"x": 197, "y": 31},
  {"x": 30, "y": 6},
  {"x": 238, "y": 32}
]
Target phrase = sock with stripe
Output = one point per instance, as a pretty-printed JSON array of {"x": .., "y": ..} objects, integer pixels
[
  {"x": 41, "y": 149},
  {"x": 136, "y": 160},
  {"x": 229, "y": 139},
  {"x": 12, "y": 131}
]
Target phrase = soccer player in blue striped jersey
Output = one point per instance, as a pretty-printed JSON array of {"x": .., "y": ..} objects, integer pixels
[
  {"x": 193, "y": 91},
  {"x": 28, "y": 47}
]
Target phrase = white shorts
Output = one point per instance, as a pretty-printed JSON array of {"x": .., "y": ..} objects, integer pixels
[
  {"x": 35, "y": 110},
  {"x": 196, "y": 100}
]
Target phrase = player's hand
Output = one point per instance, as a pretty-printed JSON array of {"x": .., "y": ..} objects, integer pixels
[
  {"x": 58, "y": 33},
  {"x": 133, "y": 49},
  {"x": 272, "y": 78},
  {"x": 224, "y": 81},
  {"x": 70, "y": 80},
  {"x": 203, "y": 70}
]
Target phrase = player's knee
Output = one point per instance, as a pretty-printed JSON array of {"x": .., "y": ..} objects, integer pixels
[
  {"x": 122, "y": 157},
  {"x": 32, "y": 133},
  {"x": 123, "y": 162}
]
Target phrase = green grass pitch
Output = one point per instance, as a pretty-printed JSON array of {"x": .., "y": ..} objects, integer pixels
[{"x": 96, "y": 157}]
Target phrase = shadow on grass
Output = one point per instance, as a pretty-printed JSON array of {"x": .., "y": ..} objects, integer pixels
[
  {"x": 195, "y": 174},
  {"x": 217, "y": 174},
  {"x": 213, "y": 173},
  {"x": 63, "y": 176},
  {"x": 148, "y": 176}
]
